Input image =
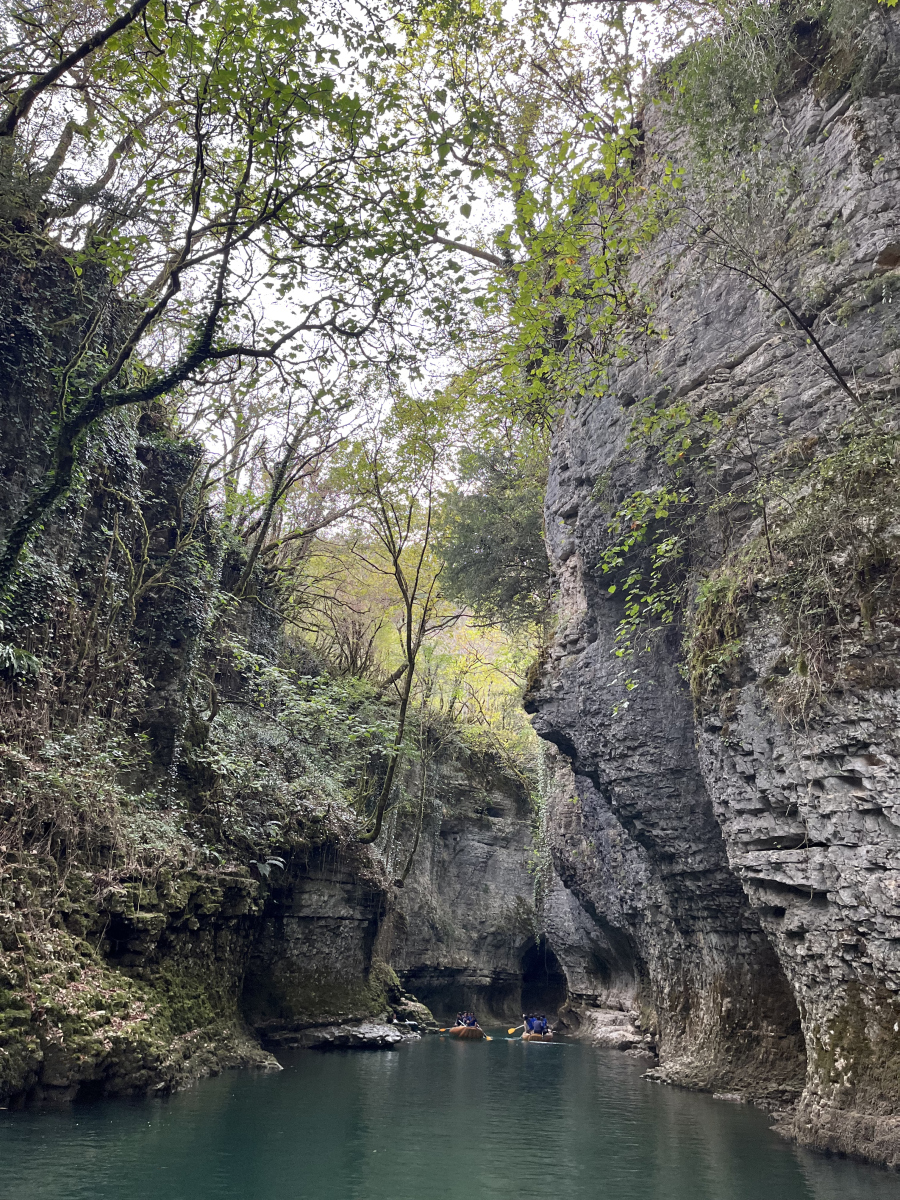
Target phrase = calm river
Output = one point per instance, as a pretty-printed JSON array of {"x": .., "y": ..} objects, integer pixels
[{"x": 438, "y": 1120}]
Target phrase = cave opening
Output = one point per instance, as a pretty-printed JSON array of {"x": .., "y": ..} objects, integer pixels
[{"x": 544, "y": 987}]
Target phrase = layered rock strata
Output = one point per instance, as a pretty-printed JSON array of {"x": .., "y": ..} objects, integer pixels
[
  {"x": 311, "y": 958},
  {"x": 463, "y": 922},
  {"x": 153, "y": 981},
  {"x": 733, "y": 863}
]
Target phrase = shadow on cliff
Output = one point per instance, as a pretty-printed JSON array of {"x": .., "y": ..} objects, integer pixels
[{"x": 544, "y": 987}]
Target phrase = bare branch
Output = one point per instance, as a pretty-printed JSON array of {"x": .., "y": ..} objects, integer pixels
[{"x": 485, "y": 255}]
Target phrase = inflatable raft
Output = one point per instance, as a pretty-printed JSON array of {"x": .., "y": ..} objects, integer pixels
[
  {"x": 537, "y": 1037},
  {"x": 466, "y": 1031}
]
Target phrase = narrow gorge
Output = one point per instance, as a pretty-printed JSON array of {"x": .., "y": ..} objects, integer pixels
[{"x": 231, "y": 828}]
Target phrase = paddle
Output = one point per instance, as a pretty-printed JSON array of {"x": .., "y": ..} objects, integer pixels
[{"x": 514, "y": 1030}]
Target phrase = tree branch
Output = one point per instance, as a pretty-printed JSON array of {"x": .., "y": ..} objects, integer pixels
[
  {"x": 485, "y": 255},
  {"x": 22, "y": 106}
]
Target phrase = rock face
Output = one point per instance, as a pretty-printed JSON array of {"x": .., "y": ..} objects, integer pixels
[
  {"x": 729, "y": 867},
  {"x": 155, "y": 926},
  {"x": 143, "y": 943},
  {"x": 180, "y": 881},
  {"x": 463, "y": 926},
  {"x": 311, "y": 962},
  {"x": 646, "y": 906},
  {"x": 172, "y": 975}
]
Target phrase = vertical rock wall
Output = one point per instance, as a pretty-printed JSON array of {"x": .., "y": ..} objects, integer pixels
[
  {"x": 155, "y": 964},
  {"x": 311, "y": 960},
  {"x": 642, "y": 852},
  {"x": 464, "y": 919},
  {"x": 731, "y": 869}
]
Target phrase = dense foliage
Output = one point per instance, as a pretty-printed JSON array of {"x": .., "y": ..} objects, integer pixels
[
  {"x": 492, "y": 544},
  {"x": 294, "y": 300}
]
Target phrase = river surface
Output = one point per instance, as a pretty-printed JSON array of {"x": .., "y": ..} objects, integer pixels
[{"x": 436, "y": 1120}]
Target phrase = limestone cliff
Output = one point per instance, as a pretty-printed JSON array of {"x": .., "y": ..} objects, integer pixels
[
  {"x": 727, "y": 862},
  {"x": 462, "y": 934}
]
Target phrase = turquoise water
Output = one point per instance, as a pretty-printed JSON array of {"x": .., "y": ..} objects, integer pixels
[{"x": 438, "y": 1120}]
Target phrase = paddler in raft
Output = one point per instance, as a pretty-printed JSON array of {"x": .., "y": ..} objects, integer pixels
[
  {"x": 466, "y": 1026},
  {"x": 537, "y": 1029}
]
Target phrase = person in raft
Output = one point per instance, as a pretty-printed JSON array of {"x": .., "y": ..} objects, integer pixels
[
  {"x": 536, "y": 1024},
  {"x": 467, "y": 1018}
]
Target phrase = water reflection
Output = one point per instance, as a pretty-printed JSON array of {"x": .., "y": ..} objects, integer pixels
[{"x": 436, "y": 1121}]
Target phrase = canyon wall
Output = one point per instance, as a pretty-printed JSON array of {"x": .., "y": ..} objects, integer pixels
[
  {"x": 462, "y": 933},
  {"x": 181, "y": 885},
  {"x": 730, "y": 859},
  {"x": 118, "y": 983}
]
